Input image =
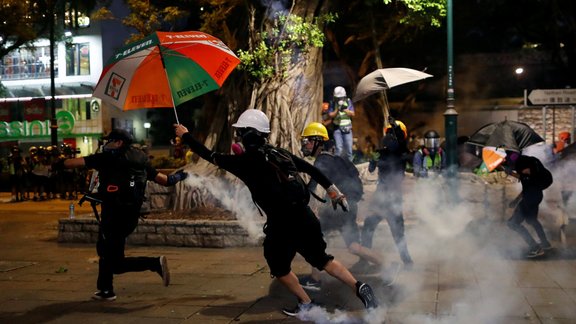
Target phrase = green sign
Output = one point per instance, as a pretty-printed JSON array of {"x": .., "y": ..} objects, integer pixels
[{"x": 16, "y": 130}]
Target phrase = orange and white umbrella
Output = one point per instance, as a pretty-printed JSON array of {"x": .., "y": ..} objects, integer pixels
[{"x": 164, "y": 70}]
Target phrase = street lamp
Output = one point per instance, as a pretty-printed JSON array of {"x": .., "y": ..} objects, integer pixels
[
  {"x": 147, "y": 127},
  {"x": 451, "y": 115}
]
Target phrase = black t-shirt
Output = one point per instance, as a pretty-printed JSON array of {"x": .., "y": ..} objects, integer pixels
[{"x": 116, "y": 168}]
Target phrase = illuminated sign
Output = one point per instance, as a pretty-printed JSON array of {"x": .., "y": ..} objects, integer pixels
[{"x": 37, "y": 128}]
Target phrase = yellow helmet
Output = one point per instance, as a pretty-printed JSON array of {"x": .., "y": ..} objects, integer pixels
[
  {"x": 316, "y": 129},
  {"x": 402, "y": 127}
]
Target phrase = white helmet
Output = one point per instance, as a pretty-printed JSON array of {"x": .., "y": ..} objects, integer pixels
[
  {"x": 253, "y": 118},
  {"x": 339, "y": 92}
]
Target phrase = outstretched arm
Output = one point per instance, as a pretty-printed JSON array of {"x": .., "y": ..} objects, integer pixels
[{"x": 195, "y": 146}]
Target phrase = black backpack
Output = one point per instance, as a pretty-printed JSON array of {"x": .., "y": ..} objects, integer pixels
[
  {"x": 544, "y": 177},
  {"x": 126, "y": 182},
  {"x": 292, "y": 187}
]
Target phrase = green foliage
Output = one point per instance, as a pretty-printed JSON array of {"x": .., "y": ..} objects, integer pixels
[
  {"x": 277, "y": 49},
  {"x": 144, "y": 17},
  {"x": 421, "y": 11}
]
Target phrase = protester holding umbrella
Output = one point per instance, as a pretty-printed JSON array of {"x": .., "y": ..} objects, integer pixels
[
  {"x": 122, "y": 171},
  {"x": 534, "y": 178},
  {"x": 271, "y": 175},
  {"x": 387, "y": 199}
]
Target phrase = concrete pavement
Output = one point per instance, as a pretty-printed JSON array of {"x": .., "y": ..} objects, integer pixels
[{"x": 461, "y": 278}]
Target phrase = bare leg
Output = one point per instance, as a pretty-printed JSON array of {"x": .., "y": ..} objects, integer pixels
[
  {"x": 365, "y": 253},
  {"x": 290, "y": 281},
  {"x": 337, "y": 270}
]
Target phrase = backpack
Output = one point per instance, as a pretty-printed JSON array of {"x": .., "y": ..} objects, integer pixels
[
  {"x": 292, "y": 187},
  {"x": 126, "y": 182},
  {"x": 544, "y": 178}
]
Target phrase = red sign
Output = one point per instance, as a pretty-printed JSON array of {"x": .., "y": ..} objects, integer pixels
[{"x": 35, "y": 109}]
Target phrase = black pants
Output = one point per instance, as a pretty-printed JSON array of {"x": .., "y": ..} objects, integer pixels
[
  {"x": 118, "y": 221},
  {"x": 389, "y": 203},
  {"x": 527, "y": 210}
]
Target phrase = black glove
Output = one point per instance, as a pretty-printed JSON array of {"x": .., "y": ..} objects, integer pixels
[
  {"x": 392, "y": 121},
  {"x": 176, "y": 177}
]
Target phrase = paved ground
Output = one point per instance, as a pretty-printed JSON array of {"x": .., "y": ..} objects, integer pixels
[{"x": 474, "y": 274}]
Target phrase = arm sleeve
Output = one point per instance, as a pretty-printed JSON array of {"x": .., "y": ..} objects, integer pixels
[
  {"x": 314, "y": 172},
  {"x": 198, "y": 148}
]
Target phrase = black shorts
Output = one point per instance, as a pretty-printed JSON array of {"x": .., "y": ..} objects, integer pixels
[{"x": 294, "y": 234}]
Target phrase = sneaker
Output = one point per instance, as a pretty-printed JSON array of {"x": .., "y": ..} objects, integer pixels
[
  {"x": 366, "y": 295},
  {"x": 164, "y": 272},
  {"x": 299, "y": 308},
  {"x": 104, "y": 295},
  {"x": 547, "y": 247},
  {"x": 309, "y": 283},
  {"x": 535, "y": 252}
]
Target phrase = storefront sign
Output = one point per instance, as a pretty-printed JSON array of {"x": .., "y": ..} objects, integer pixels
[{"x": 36, "y": 128}]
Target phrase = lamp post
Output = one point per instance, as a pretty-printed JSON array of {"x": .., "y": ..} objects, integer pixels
[
  {"x": 53, "y": 121},
  {"x": 450, "y": 115}
]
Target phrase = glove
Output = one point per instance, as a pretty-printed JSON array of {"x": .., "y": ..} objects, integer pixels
[
  {"x": 337, "y": 198},
  {"x": 176, "y": 177},
  {"x": 392, "y": 121}
]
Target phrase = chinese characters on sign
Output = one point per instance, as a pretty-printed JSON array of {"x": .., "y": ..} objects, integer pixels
[{"x": 552, "y": 97}]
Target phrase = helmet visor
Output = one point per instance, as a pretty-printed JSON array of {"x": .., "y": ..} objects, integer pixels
[{"x": 432, "y": 142}]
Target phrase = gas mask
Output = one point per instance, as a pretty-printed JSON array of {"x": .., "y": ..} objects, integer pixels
[
  {"x": 110, "y": 146},
  {"x": 305, "y": 149},
  {"x": 251, "y": 139}
]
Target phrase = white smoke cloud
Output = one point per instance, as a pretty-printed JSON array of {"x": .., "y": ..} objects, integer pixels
[{"x": 233, "y": 196}]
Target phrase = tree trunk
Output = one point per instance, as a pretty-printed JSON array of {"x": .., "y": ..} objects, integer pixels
[{"x": 290, "y": 104}]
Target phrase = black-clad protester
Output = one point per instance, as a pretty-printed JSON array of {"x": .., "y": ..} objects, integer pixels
[
  {"x": 534, "y": 178},
  {"x": 387, "y": 200},
  {"x": 345, "y": 175},
  {"x": 122, "y": 174},
  {"x": 271, "y": 175}
]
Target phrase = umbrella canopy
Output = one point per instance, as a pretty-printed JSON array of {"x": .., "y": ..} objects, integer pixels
[
  {"x": 509, "y": 135},
  {"x": 493, "y": 157},
  {"x": 164, "y": 70},
  {"x": 383, "y": 79}
]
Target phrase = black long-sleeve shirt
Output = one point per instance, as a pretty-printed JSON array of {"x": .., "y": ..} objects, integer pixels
[{"x": 257, "y": 174}]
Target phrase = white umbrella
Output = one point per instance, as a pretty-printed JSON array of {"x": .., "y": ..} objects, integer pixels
[{"x": 383, "y": 79}]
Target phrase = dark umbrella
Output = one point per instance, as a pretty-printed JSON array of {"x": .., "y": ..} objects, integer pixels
[{"x": 510, "y": 135}]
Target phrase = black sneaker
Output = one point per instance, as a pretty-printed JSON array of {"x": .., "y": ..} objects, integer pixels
[
  {"x": 535, "y": 252},
  {"x": 309, "y": 283},
  {"x": 366, "y": 295},
  {"x": 547, "y": 247},
  {"x": 104, "y": 295},
  {"x": 164, "y": 272},
  {"x": 299, "y": 308}
]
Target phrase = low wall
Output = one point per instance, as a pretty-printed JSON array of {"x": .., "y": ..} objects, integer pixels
[{"x": 209, "y": 234}]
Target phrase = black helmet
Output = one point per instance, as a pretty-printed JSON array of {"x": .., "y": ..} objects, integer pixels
[
  {"x": 119, "y": 134},
  {"x": 431, "y": 139}
]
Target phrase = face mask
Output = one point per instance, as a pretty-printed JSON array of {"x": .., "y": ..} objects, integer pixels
[{"x": 251, "y": 138}]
